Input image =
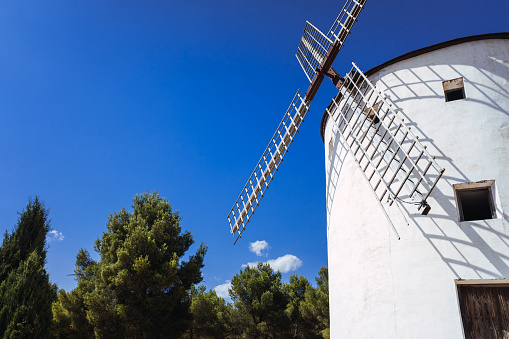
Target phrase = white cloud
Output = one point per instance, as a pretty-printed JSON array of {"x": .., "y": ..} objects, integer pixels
[
  {"x": 258, "y": 247},
  {"x": 222, "y": 290},
  {"x": 250, "y": 264},
  {"x": 54, "y": 235},
  {"x": 284, "y": 264}
]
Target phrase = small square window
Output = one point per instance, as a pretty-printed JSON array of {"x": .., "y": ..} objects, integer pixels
[
  {"x": 475, "y": 200},
  {"x": 454, "y": 89}
]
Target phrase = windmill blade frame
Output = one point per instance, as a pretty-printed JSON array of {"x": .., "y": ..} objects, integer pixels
[
  {"x": 395, "y": 164},
  {"x": 318, "y": 52},
  {"x": 267, "y": 166}
]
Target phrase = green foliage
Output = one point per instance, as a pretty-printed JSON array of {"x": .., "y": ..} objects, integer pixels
[
  {"x": 140, "y": 287},
  {"x": 69, "y": 316},
  {"x": 212, "y": 316},
  {"x": 264, "y": 307},
  {"x": 29, "y": 235},
  {"x": 69, "y": 311},
  {"x": 260, "y": 302},
  {"x": 25, "y": 291},
  {"x": 315, "y": 307},
  {"x": 295, "y": 291}
]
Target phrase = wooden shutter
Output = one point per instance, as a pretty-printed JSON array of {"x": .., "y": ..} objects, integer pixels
[{"x": 484, "y": 311}]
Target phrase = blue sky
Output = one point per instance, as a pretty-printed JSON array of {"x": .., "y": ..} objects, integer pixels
[{"x": 103, "y": 100}]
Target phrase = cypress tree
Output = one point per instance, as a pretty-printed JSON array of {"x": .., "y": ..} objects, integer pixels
[{"x": 26, "y": 294}]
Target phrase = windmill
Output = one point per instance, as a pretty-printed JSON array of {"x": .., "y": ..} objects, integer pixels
[{"x": 393, "y": 161}]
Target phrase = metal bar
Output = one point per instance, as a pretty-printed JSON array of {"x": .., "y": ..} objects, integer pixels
[
  {"x": 316, "y": 53},
  {"x": 438, "y": 168},
  {"x": 383, "y": 136},
  {"x": 355, "y": 130},
  {"x": 434, "y": 184},
  {"x": 300, "y": 63},
  {"x": 371, "y": 141},
  {"x": 373, "y": 88},
  {"x": 362, "y": 124},
  {"x": 366, "y": 102},
  {"x": 385, "y": 152},
  {"x": 362, "y": 150},
  {"x": 321, "y": 35},
  {"x": 265, "y": 169},
  {"x": 401, "y": 163},
  {"x": 357, "y": 119},
  {"x": 420, "y": 180},
  {"x": 374, "y": 192},
  {"x": 404, "y": 181},
  {"x": 389, "y": 164}
]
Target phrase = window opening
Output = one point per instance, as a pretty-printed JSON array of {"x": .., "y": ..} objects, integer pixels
[
  {"x": 454, "y": 89},
  {"x": 475, "y": 201}
]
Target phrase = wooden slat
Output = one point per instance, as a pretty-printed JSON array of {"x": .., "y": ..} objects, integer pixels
[{"x": 484, "y": 311}]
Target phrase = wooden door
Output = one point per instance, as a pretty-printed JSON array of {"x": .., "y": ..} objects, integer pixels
[{"x": 484, "y": 311}]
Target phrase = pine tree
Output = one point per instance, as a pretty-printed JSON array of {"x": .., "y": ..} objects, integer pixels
[
  {"x": 26, "y": 294},
  {"x": 260, "y": 302},
  {"x": 212, "y": 316},
  {"x": 140, "y": 287},
  {"x": 295, "y": 291},
  {"x": 315, "y": 307},
  {"x": 69, "y": 311}
]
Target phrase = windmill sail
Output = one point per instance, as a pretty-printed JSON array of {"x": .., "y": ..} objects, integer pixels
[
  {"x": 315, "y": 54},
  {"x": 316, "y": 50},
  {"x": 312, "y": 49},
  {"x": 392, "y": 159},
  {"x": 268, "y": 165},
  {"x": 345, "y": 20}
]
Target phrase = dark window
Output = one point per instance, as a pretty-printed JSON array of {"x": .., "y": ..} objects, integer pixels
[
  {"x": 454, "y": 89},
  {"x": 455, "y": 95},
  {"x": 475, "y": 204}
]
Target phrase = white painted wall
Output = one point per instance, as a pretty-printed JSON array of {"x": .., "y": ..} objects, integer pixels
[{"x": 381, "y": 287}]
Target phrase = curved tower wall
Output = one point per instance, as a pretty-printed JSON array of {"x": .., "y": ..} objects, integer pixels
[{"x": 381, "y": 287}]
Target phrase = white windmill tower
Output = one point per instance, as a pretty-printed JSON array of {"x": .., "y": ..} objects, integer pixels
[
  {"x": 454, "y": 256},
  {"x": 448, "y": 276}
]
